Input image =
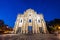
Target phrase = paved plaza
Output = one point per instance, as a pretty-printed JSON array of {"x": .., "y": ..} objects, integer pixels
[{"x": 30, "y": 37}]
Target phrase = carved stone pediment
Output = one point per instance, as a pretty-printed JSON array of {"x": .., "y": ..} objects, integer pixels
[
  {"x": 30, "y": 20},
  {"x": 30, "y": 12}
]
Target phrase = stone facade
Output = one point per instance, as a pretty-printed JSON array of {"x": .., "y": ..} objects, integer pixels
[{"x": 30, "y": 22}]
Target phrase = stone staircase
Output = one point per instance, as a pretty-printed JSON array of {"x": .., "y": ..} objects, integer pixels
[{"x": 29, "y": 37}]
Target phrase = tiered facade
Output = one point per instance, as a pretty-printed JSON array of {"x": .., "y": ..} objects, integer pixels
[{"x": 30, "y": 22}]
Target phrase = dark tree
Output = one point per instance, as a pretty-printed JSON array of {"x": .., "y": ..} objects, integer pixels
[
  {"x": 53, "y": 25},
  {"x": 1, "y": 23}
]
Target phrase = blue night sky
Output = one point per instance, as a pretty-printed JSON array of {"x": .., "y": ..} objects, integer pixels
[{"x": 10, "y": 8}]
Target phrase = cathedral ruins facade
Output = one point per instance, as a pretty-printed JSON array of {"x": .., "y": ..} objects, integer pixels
[{"x": 30, "y": 22}]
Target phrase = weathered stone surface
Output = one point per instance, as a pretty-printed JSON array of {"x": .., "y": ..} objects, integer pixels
[
  {"x": 30, "y": 21},
  {"x": 30, "y": 37}
]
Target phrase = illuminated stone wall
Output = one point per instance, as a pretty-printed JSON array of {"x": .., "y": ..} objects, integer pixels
[{"x": 30, "y": 18}]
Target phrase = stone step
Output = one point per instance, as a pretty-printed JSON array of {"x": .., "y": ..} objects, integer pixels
[{"x": 29, "y": 37}]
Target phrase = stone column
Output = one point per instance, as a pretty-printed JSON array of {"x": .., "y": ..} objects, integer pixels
[
  {"x": 33, "y": 26},
  {"x": 26, "y": 27},
  {"x": 43, "y": 23},
  {"x": 44, "y": 26},
  {"x": 38, "y": 31},
  {"x": 36, "y": 28},
  {"x": 21, "y": 30},
  {"x": 16, "y": 27},
  {"x": 23, "y": 27}
]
